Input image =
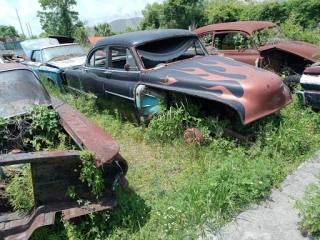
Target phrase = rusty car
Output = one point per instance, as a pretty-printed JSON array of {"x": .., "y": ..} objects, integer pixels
[
  {"x": 268, "y": 50},
  {"x": 310, "y": 83},
  {"x": 52, "y": 171},
  {"x": 137, "y": 69},
  {"x": 49, "y": 59}
]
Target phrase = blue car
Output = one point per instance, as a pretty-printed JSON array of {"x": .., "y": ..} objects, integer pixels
[{"x": 49, "y": 59}]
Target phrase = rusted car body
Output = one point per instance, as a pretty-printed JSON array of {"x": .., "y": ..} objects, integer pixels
[
  {"x": 275, "y": 54},
  {"x": 137, "y": 69},
  {"x": 49, "y": 59},
  {"x": 54, "y": 171},
  {"x": 310, "y": 82}
]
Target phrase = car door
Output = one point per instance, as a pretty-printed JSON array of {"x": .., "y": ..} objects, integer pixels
[
  {"x": 237, "y": 46},
  {"x": 91, "y": 78},
  {"x": 35, "y": 61},
  {"x": 121, "y": 82}
]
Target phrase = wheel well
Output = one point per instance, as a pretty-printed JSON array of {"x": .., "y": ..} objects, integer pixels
[
  {"x": 208, "y": 108},
  {"x": 279, "y": 61}
]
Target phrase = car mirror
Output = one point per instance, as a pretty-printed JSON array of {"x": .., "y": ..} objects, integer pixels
[{"x": 127, "y": 67}]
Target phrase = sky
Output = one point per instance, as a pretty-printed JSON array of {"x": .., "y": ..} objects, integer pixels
[{"x": 92, "y": 11}]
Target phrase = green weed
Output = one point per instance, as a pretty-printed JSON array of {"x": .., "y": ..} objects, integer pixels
[
  {"x": 176, "y": 189},
  {"x": 20, "y": 191},
  {"x": 309, "y": 208}
]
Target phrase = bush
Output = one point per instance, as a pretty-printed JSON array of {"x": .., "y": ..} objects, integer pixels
[{"x": 309, "y": 208}]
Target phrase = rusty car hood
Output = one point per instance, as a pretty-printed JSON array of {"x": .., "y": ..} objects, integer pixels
[
  {"x": 68, "y": 63},
  {"x": 302, "y": 49},
  {"x": 251, "y": 91}
]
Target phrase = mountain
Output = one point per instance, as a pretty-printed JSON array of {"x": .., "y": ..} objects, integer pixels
[{"x": 119, "y": 25}]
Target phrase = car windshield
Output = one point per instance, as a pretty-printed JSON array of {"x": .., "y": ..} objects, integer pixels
[
  {"x": 269, "y": 36},
  {"x": 19, "y": 90},
  {"x": 62, "y": 52},
  {"x": 158, "y": 53}
]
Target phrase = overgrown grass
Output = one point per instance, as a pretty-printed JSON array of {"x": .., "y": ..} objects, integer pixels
[
  {"x": 176, "y": 189},
  {"x": 309, "y": 208}
]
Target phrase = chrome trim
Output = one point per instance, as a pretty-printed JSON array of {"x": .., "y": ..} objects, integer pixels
[
  {"x": 301, "y": 97},
  {"x": 119, "y": 95},
  {"x": 79, "y": 91}
]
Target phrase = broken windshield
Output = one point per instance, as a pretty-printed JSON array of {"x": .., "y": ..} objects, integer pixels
[
  {"x": 62, "y": 52},
  {"x": 269, "y": 36},
  {"x": 19, "y": 90},
  {"x": 158, "y": 53}
]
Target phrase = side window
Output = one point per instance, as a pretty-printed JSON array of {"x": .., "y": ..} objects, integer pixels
[
  {"x": 36, "y": 56},
  {"x": 231, "y": 41},
  {"x": 206, "y": 39},
  {"x": 98, "y": 58},
  {"x": 119, "y": 56}
]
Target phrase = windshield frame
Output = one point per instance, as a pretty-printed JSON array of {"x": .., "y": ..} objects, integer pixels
[
  {"x": 45, "y": 58},
  {"x": 194, "y": 38}
]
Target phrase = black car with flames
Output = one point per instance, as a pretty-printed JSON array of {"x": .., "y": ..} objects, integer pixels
[{"x": 137, "y": 69}]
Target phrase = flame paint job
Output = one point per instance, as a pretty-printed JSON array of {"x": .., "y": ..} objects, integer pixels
[{"x": 251, "y": 91}]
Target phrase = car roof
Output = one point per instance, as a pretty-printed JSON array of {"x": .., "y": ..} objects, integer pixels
[
  {"x": 58, "y": 45},
  {"x": 12, "y": 66},
  {"x": 140, "y": 37},
  {"x": 245, "y": 26}
]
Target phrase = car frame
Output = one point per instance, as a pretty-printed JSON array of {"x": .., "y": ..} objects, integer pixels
[
  {"x": 279, "y": 55},
  {"x": 54, "y": 171}
]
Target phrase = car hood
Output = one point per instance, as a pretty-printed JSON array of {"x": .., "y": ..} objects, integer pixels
[
  {"x": 302, "y": 49},
  {"x": 251, "y": 91},
  {"x": 72, "y": 62}
]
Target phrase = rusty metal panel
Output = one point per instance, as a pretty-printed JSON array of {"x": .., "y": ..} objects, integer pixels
[
  {"x": 52, "y": 178},
  {"x": 95, "y": 140},
  {"x": 42, "y": 216},
  {"x": 21, "y": 158},
  {"x": 57, "y": 174},
  {"x": 245, "y": 26}
]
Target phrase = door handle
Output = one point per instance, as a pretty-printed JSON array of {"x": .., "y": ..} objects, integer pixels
[{"x": 107, "y": 73}]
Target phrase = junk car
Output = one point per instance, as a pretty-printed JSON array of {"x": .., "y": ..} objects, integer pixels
[
  {"x": 310, "y": 82},
  {"x": 259, "y": 43},
  {"x": 139, "y": 68},
  {"x": 52, "y": 171},
  {"x": 49, "y": 59}
]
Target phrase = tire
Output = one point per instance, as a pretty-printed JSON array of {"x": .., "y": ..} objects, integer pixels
[{"x": 292, "y": 81}]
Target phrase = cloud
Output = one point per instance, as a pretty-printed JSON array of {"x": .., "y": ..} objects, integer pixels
[
  {"x": 95, "y": 11},
  {"x": 92, "y": 11}
]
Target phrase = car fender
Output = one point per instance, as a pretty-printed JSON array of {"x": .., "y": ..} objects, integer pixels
[{"x": 302, "y": 49}]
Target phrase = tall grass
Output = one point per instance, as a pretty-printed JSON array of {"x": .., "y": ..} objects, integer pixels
[{"x": 177, "y": 189}]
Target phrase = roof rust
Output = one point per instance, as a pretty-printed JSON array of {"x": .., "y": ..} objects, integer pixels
[
  {"x": 246, "y": 26},
  {"x": 11, "y": 66}
]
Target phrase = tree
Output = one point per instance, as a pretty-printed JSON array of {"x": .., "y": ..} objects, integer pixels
[
  {"x": 58, "y": 18},
  {"x": 153, "y": 16},
  {"x": 8, "y": 31},
  {"x": 102, "y": 29},
  {"x": 184, "y": 13},
  {"x": 81, "y": 36}
]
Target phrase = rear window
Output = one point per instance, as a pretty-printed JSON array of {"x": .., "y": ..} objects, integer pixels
[{"x": 19, "y": 91}]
